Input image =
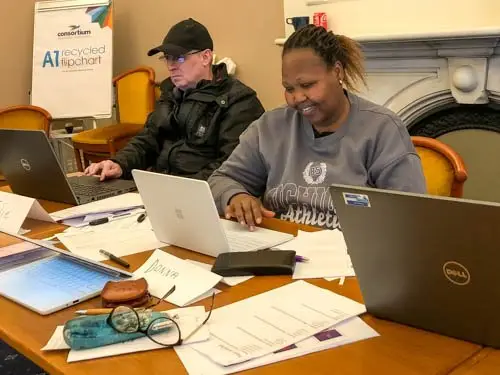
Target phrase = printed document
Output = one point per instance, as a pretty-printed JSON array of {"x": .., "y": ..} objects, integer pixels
[
  {"x": 268, "y": 326},
  {"x": 349, "y": 331},
  {"x": 326, "y": 252},
  {"x": 163, "y": 270}
]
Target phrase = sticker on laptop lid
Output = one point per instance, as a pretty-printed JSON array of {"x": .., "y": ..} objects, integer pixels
[{"x": 360, "y": 200}]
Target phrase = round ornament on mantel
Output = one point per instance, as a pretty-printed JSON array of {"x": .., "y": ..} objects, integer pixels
[{"x": 465, "y": 78}]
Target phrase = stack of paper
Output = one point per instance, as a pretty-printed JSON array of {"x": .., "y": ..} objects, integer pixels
[
  {"x": 192, "y": 282},
  {"x": 80, "y": 215},
  {"x": 326, "y": 252},
  {"x": 290, "y": 321},
  {"x": 120, "y": 237}
]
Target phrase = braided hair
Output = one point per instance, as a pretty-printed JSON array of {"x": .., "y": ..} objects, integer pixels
[{"x": 331, "y": 48}]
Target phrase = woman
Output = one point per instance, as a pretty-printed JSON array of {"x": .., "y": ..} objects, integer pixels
[{"x": 325, "y": 135}]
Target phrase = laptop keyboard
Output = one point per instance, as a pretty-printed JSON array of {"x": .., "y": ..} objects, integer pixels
[
  {"x": 89, "y": 190},
  {"x": 58, "y": 272},
  {"x": 243, "y": 242}
]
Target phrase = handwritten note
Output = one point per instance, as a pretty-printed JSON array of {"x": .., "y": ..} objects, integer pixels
[
  {"x": 163, "y": 270},
  {"x": 14, "y": 209}
]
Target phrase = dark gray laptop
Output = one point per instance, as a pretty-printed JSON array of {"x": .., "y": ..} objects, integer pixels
[
  {"x": 28, "y": 162},
  {"x": 425, "y": 261}
]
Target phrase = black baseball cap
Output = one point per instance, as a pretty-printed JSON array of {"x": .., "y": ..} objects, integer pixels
[{"x": 183, "y": 37}]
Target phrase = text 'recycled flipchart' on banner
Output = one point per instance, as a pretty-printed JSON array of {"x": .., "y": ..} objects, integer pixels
[{"x": 72, "y": 60}]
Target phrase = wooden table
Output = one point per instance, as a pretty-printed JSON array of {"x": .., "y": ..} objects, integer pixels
[
  {"x": 486, "y": 362},
  {"x": 399, "y": 349}
]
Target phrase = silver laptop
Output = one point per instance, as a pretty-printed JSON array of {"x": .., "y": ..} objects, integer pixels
[
  {"x": 28, "y": 162},
  {"x": 46, "y": 279},
  {"x": 182, "y": 212},
  {"x": 426, "y": 261}
]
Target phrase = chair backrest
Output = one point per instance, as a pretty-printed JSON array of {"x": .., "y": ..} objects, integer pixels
[
  {"x": 444, "y": 168},
  {"x": 25, "y": 117},
  {"x": 135, "y": 95}
]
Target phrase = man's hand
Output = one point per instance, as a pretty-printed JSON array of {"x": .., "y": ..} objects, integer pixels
[
  {"x": 247, "y": 209},
  {"x": 106, "y": 169}
]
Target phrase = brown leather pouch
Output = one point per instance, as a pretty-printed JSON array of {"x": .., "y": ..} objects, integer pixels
[{"x": 133, "y": 293}]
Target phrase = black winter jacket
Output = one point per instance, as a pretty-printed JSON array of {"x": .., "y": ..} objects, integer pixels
[{"x": 190, "y": 133}]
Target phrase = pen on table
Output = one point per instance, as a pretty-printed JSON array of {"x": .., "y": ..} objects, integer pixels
[
  {"x": 104, "y": 220},
  {"x": 301, "y": 259},
  {"x": 93, "y": 311},
  {"x": 100, "y": 311},
  {"x": 114, "y": 258}
]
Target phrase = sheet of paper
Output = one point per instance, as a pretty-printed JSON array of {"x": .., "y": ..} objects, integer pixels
[
  {"x": 82, "y": 221},
  {"x": 120, "y": 237},
  {"x": 340, "y": 279},
  {"x": 204, "y": 296},
  {"x": 117, "y": 203},
  {"x": 56, "y": 341},
  {"x": 270, "y": 326},
  {"x": 163, "y": 270},
  {"x": 37, "y": 212},
  {"x": 326, "y": 251},
  {"x": 323, "y": 264},
  {"x": 351, "y": 330},
  {"x": 231, "y": 280},
  {"x": 14, "y": 209}
]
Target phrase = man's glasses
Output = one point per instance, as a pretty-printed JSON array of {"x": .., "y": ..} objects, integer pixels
[
  {"x": 176, "y": 59},
  {"x": 158, "y": 327}
]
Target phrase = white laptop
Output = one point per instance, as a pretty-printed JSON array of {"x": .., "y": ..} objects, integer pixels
[
  {"x": 182, "y": 212},
  {"x": 45, "y": 279}
]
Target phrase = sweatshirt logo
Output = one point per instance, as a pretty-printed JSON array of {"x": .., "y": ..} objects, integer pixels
[{"x": 315, "y": 173}]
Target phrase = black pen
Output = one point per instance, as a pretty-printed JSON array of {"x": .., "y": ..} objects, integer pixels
[
  {"x": 104, "y": 220},
  {"x": 114, "y": 258}
]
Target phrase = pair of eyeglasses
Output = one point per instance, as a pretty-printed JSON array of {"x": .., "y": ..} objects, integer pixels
[
  {"x": 176, "y": 59},
  {"x": 163, "y": 330}
]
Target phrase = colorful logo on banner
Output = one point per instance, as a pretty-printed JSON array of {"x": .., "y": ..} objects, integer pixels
[
  {"x": 81, "y": 58},
  {"x": 102, "y": 15}
]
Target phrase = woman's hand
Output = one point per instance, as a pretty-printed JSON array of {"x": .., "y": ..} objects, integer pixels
[{"x": 247, "y": 209}]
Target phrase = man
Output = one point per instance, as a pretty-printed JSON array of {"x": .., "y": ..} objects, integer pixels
[{"x": 198, "y": 119}]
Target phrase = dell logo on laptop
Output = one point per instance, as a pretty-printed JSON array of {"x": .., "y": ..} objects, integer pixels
[
  {"x": 456, "y": 273},
  {"x": 26, "y": 165}
]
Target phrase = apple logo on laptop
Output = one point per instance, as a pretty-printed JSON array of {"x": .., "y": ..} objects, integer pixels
[
  {"x": 26, "y": 165},
  {"x": 456, "y": 273},
  {"x": 178, "y": 213}
]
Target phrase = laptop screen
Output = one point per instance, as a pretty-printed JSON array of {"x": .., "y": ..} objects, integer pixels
[{"x": 46, "y": 280}]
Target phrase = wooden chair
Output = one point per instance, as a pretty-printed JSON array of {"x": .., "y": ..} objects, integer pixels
[
  {"x": 25, "y": 117},
  {"x": 444, "y": 169},
  {"x": 135, "y": 99}
]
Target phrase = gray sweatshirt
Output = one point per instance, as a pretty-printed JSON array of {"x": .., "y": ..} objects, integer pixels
[{"x": 280, "y": 159}]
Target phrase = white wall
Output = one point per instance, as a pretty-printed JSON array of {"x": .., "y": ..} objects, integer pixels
[{"x": 364, "y": 18}]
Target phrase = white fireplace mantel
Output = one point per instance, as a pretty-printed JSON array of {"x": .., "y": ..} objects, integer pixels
[{"x": 416, "y": 75}]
